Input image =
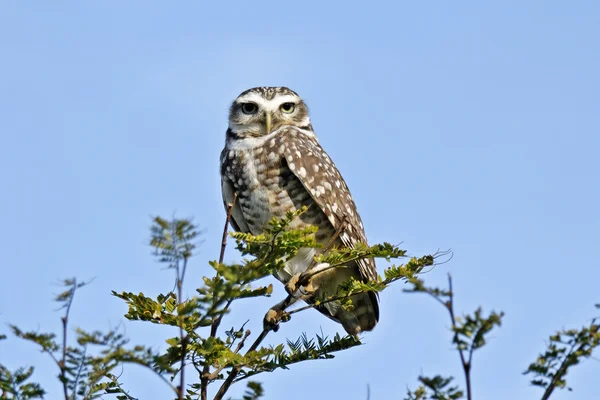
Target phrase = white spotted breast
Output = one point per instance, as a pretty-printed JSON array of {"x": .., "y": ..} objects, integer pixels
[{"x": 258, "y": 171}]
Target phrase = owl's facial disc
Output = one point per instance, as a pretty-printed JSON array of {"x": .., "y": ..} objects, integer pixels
[{"x": 254, "y": 115}]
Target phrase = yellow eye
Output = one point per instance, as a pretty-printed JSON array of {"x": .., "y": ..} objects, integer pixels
[
  {"x": 288, "y": 108},
  {"x": 249, "y": 108}
]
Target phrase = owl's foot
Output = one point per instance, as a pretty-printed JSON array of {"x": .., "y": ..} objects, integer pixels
[
  {"x": 292, "y": 284},
  {"x": 275, "y": 316},
  {"x": 302, "y": 283}
]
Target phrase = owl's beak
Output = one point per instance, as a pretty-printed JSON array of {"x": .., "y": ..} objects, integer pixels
[{"x": 268, "y": 122}]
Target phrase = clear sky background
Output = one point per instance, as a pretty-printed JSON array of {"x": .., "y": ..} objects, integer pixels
[{"x": 466, "y": 125}]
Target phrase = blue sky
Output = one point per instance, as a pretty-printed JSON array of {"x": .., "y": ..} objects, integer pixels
[{"x": 465, "y": 125}]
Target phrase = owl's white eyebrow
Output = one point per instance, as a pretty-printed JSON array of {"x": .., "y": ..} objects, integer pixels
[{"x": 264, "y": 103}]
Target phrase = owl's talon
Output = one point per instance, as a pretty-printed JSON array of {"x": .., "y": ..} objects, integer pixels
[
  {"x": 292, "y": 284},
  {"x": 308, "y": 290},
  {"x": 273, "y": 317}
]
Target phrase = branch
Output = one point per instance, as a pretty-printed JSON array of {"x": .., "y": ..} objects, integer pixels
[
  {"x": 227, "y": 219},
  {"x": 560, "y": 372},
  {"x": 115, "y": 382},
  {"x": 465, "y": 364},
  {"x": 65, "y": 321},
  {"x": 205, "y": 376},
  {"x": 588, "y": 339},
  {"x": 80, "y": 369},
  {"x": 183, "y": 337}
]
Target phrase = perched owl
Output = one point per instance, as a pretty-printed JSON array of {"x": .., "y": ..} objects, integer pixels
[{"x": 274, "y": 163}]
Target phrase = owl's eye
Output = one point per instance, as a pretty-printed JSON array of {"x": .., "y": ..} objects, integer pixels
[
  {"x": 288, "y": 108},
  {"x": 249, "y": 108}
]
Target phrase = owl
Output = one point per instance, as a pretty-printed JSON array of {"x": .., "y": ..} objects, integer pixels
[{"x": 274, "y": 162}]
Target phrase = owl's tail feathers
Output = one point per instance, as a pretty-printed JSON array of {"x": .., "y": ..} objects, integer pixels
[{"x": 363, "y": 317}]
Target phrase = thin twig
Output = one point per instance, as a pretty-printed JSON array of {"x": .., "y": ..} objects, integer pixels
[
  {"x": 234, "y": 339},
  {"x": 196, "y": 364},
  {"x": 241, "y": 343},
  {"x": 115, "y": 381},
  {"x": 204, "y": 376},
  {"x": 217, "y": 321},
  {"x": 224, "y": 238},
  {"x": 183, "y": 268},
  {"x": 65, "y": 322},
  {"x": 80, "y": 368},
  {"x": 62, "y": 363},
  {"x": 465, "y": 364},
  {"x": 182, "y": 336}
]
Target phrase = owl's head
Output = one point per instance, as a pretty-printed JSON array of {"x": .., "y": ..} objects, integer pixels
[{"x": 261, "y": 110}]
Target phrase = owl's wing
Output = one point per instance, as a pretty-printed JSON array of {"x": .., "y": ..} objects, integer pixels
[{"x": 318, "y": 174}]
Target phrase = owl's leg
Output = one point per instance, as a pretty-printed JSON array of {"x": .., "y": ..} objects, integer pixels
[{"x": 277, "y": 314}]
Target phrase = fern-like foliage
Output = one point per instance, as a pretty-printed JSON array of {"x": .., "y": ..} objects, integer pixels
[{"x": 17, "y": 383}]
